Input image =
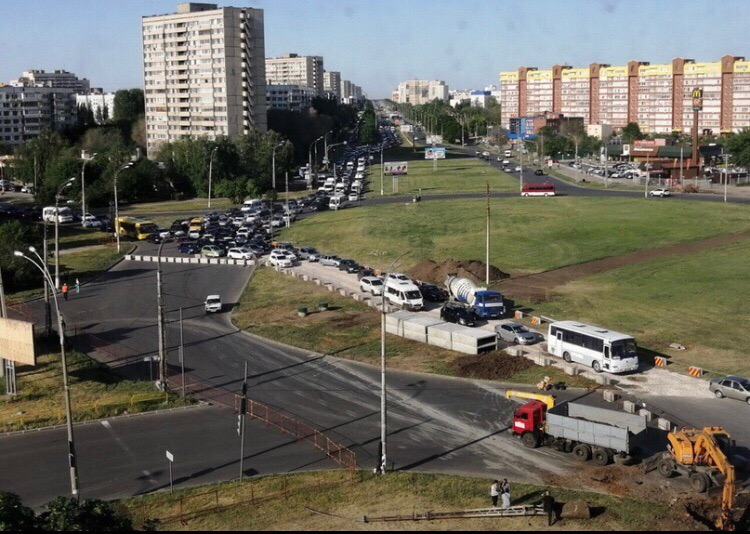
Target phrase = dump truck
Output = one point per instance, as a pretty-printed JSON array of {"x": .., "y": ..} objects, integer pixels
[
  {"x": 587, "y": 431},
  {"x": 485, "y": 303}
]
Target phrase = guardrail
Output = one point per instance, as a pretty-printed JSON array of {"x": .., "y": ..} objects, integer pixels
[{"x": 190, "y": 259}]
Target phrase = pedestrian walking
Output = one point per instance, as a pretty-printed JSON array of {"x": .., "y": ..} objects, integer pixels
[
  {"x": 495, "y": 492},
  {"x": 548, "y": 505},
  {"x": 78, "y": 286},
  {"x": 65, "y": 291}
]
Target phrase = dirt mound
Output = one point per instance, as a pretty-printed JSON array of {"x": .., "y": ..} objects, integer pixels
[
  {"x": 436, "y": 272},
  {"x": 495, "y": 366}
]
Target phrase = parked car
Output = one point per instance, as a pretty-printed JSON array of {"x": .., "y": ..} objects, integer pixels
[
  {"x": 432, "y": 293},
  {"x": 353, "y": 197},
  {"x": 330, "y": 260},
  {"x": 660, "y": 193},
  {"x": 213, "y": 304},
  {"x": 188, "y": 247},
  {"x": 456, "y": 313},
  {"x": 518, "y": 168},
  {"x": 364, "y": 272},
  {"x": 155, "y": 238},
  {"x": 732, "y": 387},
  {"x": 309, "y": 254},
  {"x": 371, "y": 284},
  {"x": 90, "y": 221},
  {"x": 240, "y": 253},
  {"x": 350, "y": 266},
  {"x": 516, "y": 333},
  {"x": 539, "y": 172},
  {"x": 279, "y": 258},
  {"x": 212, "y": 251}
]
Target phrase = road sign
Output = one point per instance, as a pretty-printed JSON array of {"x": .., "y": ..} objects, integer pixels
[
  {"x": 170, "y": 456},
  {"x": 17, "y": 340},
  {"x": 697, "y": 99}
]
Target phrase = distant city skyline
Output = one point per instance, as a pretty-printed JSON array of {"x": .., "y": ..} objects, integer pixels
[{"x": 378, "y": 44}]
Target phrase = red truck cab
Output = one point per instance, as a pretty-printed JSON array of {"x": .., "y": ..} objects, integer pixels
[{"x": 529, "y": 418}]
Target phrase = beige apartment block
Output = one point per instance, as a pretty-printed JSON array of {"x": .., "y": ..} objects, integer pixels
[
  {"x": 204, "y": 73},
  {"x": 293, "y": 69}
]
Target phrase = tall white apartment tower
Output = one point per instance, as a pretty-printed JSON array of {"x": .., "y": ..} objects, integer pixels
[{"x": 203, "y": 73}]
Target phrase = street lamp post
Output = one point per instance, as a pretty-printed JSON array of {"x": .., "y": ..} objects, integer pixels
[
  {"x": 273, "y": 166},
  {"x": 381, "y": 169},
  {"x": 117, "y": 210},
  {"x": 66, "y": 388},
  {"x": 162, "y": 384},
  {"x": 57, "y": 230},
  {"x": 210, "y": 172},
  {"x": 383, "y": 412},
  {"x": 83, "y": 182}
]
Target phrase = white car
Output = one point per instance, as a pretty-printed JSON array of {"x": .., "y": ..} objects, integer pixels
[
  {"x": 279, "y": 258},
  {"x": 240, "y": 253},
  {"x": 371, "y": 284},
  {"x": 353, "y": 197},
  {"x": 399, "y": 278},
  {"x": 660, "y": 193},
  {"x": 213, "y": 303},
  {"x": 309, "y": 254},
  {"x": 89, "y": 221},
  {"x": 518, "y": 168}
]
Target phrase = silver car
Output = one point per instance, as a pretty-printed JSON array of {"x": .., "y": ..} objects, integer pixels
[
  {"x": 516, "y": 333},
  {"x": 733, "y": 387}
]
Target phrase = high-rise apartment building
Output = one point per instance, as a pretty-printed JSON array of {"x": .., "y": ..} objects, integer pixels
[
  {"x": 59, "y": 79},
  {"x": 332, "y": 84},
  {"x": 204, "y": 73},
  {"x": 26, "y": 110},
  {"x": 657, "y": 97},
  {"x": 293, "y": 69},
  {"x": 102, "y": 104},
  {"x": 417, "y": 92}
]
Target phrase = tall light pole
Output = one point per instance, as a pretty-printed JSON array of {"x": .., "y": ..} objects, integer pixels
[
  {"x": 381, "y": 169},
  {"x": 726, "y": 172},
  {"x": 210, "y": 172},
  {"x": 83, "y": 181},
  {"x": 273, "y": 166},
  {"x": 117, "y": 209},
  {"x": 66, "y": 388},
  {"x": 162, "y": 384},
  {"x": 383, "y": 411},
  {"x": 329, "y": 147},
  {"x": 57, "y": 230}
]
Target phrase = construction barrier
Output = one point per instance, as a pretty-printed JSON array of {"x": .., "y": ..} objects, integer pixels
[
  {"x": 518, "y": 314},
  {"x": 536, "y": 320},
  {"x": 695, "y": 371},
  {"x": 659, "y": 361}
]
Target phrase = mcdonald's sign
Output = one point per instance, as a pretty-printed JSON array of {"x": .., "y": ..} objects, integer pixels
[{"x": 697, "y": 99}]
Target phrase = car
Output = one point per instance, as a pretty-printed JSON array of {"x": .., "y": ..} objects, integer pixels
[
  {"x": 660, "y": 193},
  {"x": 371, "y": 284},
  {"x": 213, "y": 304},
  {"x": 398, "y": 278},
  {"x": 188, "y": 247},
  {"x": 453, "y": 312},
  {"x": 279, "y": 258},
  {"x": 516, "y": 333},
  {"x": 505, "y": 161},
  {"x": 212, "y": 251},
  {"x": 539, "y": 172},
  {"x": 330, "y": 260},
  {"x": 353, "y": 197},
  {"x": 240, "y": 253},
  {"x": 350, "y": 266},
  {"x": 732, "y": 387},
  {"x": 518, "y": 168},
  {"x": 364, "y": 272},
  {"x": 309, "y": 254},
  {"x": 90, "y": 221},
  {"x": 155, "y": 238},
  {"x": 432, "y": 293}
]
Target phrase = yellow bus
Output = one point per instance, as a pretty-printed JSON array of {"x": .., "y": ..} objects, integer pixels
[{"x": 134, "y": 227}]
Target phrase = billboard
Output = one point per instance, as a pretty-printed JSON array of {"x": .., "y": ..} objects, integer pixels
[
  {"x": 395, "y": 168},
  {"x": 437, "y": 152},
  {"x": 17, "y": 340}
]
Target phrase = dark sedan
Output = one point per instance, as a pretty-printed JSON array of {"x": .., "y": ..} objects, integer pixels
[
  {"x": 189, "y": 247},
  {"x": 350, "y": 266},
  {"x": 456, "y": 313},
  {"x": 433, "y": 293}
]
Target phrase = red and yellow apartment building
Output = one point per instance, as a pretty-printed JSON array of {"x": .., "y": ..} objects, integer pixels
[{"x": 658, "y": 97}]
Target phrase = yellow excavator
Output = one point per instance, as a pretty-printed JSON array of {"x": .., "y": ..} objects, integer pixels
[
  {"x": 549, "y": 400},
  {"x": 703, "y": 456}
]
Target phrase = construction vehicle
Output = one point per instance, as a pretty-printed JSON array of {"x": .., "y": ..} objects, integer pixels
[
  {"x": 703, "y": 456},
  {"x": 485, "y": 303},
  {"x": 549, "y": 400},
  {"x": 546, "y": 384},
  {"x": 586, "y": 431}
]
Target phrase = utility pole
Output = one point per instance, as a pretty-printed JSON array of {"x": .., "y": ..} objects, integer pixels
[
  {"x": 682, "y": 178},
  {"x": 241, "y": 424},
  {"x": 288, "y": 215},
  {"x": 4, "y": 313},
  {"x": 182, "y": 355},
  {"x": 47, "y": 305},
  {"x": 487, "y": 266}
]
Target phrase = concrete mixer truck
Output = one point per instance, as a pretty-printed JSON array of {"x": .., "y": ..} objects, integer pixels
[{"x": 485, "y": 303}]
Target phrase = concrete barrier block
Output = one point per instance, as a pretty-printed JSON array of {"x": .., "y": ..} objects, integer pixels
[
  {"x": 570, "y": 370},
  {"x": 601, "y": 379},
  {"x": 664, "y": 424},
  {"x": 357, "y": 297},
  {"x": 317, "y": 281},
  {"x": 628, "y": 406},
  {"x": 138, "y": 258},
  {"x": 343, "y": 292},
  {"x": 611, "y": 396},
  {"x": 542, "y": 360},
  {"x": 330, "y": 287},
  {"x": 128, "y": 256},
  {"x": 514, "y": 351},
  {"x": 646, "y": 413}
]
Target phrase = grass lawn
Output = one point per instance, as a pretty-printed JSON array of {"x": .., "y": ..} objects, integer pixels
[
  {"x": 284, "y": 503},
  {"x": 95, "y": 392},
  {"x": 699, "y": 301},
  {"x": 528, "y": 234},
  {"x": 457, "y": 174}
]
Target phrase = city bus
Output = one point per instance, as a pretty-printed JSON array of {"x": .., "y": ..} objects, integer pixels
[
  {"x": 546, "y": 189},
  {"x": 592, "y": 346},
  {"x": 134, "y": 227}
]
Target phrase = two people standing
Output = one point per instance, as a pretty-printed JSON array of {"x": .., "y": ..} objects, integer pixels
[
  {"x": 501, "y": 491},
  {"x": 65, "y": 289}
]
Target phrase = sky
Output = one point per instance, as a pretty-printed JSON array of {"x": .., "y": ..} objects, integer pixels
[{"x": 378, "y": 43}]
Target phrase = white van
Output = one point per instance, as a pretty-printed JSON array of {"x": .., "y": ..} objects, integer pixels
[
  {"x": 404, "y": 294},
  {"x": 338, "y": 202},
  {"x": 508, "y": 153},
  {"x": 60, "y": 215},
  {"x": 251, "y": 204}
]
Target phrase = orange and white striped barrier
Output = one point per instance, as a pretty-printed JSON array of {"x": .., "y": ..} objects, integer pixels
[
  {"x": 695, "y": 371},
  {"x": 518, "y": 314},
  {"x": 659, "y": 361},
  {"x": 536, "y": 320}
]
